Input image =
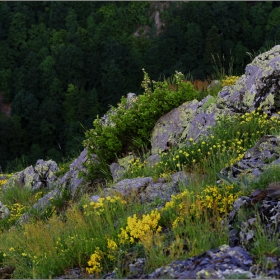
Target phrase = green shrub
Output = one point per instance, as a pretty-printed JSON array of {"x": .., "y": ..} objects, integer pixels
[{"x": 131, "y": 125}]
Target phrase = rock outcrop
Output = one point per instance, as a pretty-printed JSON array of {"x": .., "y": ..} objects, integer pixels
[
  {"x": 43, "y": 176},
  {"x": 213, "y": 264},
  {"x": 258, "y": 88},
  {"x": 72, "y": 178},
  {"x": 262, "y": 207}
]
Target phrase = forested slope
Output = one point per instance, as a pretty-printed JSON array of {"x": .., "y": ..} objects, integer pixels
[{"x": 62, "y": 63}]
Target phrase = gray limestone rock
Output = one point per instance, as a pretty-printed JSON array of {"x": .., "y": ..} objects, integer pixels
[
  {"x": 70, "y": 182},
  {"x": 145, "y": 189},
  {"x": 257, "y": 88},
  {"x": 212, "y": 264},
  {"x": 41, "y": 176},
  {"x": 190, "y": 120},
  {"x": 116, "y": 170},
  {"x": 72, "y": 179},
  {"x": 153, "y": 159},
  {"x": 4, "y": 211},
  {"x": 262, "y": 209},
  {"x": 130, "y": 99},
  {"x": 40, "y": 206}
]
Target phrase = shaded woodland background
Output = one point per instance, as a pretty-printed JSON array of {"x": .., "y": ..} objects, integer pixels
[{"x": 64, "y": 63}]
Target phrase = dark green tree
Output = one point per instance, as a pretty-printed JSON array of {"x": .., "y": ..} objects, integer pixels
[
  {"x": 18, "y": 32},
  {"x": 212, "y": 48}
]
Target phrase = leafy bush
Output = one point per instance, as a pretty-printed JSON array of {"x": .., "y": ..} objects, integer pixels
[{"x": 131, "y": 124}]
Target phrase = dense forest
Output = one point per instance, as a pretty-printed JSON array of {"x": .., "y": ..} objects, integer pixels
[{"x": 64, "y": 63}]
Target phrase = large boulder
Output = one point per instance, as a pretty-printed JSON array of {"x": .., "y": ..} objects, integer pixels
[
  {"x": 34, "y": 178},
  {"x": 146, "y": 189},
  {"x": 213, "y": 264},
  {"x": 257, "y": 88},
  {"x": 190, "y": 120}
]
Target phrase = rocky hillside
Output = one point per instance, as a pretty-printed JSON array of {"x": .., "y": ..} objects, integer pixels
[{"x": 201, "y": 201}]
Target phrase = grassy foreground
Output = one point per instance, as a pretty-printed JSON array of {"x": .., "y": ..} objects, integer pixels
[{"x": 108, "y": 235}]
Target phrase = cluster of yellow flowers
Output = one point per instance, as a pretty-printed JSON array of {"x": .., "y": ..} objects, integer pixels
[
  {"x": 229, "y": 80},
  {"x": 99, "y": 206},
  {"x": 166, "y": 175},
  {"x": 143, "y": 229},
  {"x": 136, "y": 166},
  {"x": 137, "y": 228},
  {"x": 219, "y": 198},
  {"x": 95, "y": 259},
  {"x": 34, "y": 259},
  {"x": 60, "y": 247},
  {"x": 4, "y": 179},
  {"x": 256, "y": 117},
  {"x": 112, "y": 248},
  {"x": 38, "y": 195},
  {"x": 234, "y": 160},
  {"x": 17, "y": 210},
  {"x": 212, "y": 197},
  {"x": 199, "y": 151},
  {"x": 95, "y": 262}
]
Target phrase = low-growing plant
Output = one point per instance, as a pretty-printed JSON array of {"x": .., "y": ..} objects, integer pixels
[
  {"x": 265, "y": 243},
  {"x": 238, "y": 276},
  {"x": 270, "y": 175},
  {"x": 63, "y": 168}
]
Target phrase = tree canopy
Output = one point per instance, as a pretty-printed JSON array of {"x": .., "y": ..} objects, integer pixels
[{"x": 64, "y": 63}]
